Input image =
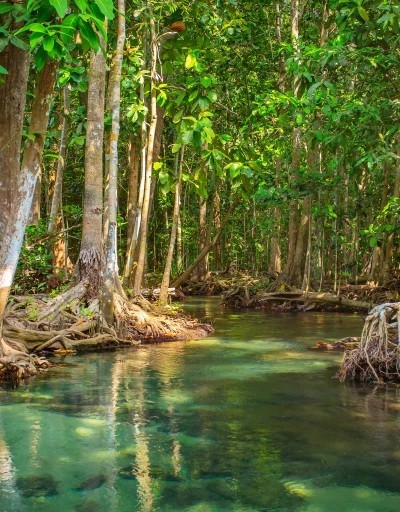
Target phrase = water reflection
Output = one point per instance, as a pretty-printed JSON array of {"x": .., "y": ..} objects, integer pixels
[{"x": 247, "y": 420}]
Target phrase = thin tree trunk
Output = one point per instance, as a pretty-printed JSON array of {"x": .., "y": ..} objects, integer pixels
[
  {"x": 163, "y": 299},
  {"x": 90, "y": 261},
  {"x": 111, "y": 270},
  {"x": 149, "y": 161},
  {"x": 132, "y": 254},
  {"x": 275, "y": 262},
  {"x": 133, "y": 189},
  {"x": 60, "y": 256},
  {"x": 33, "y": 151},
  {"x": 188, "y": 272},
  {"x": 202, "y": 268},
  {"x": 57, "y": 192}
]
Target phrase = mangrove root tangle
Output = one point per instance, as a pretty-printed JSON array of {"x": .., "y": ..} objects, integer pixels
[
  {"x": 377, "y": 359},
  {"x": 72, "y": 322}
]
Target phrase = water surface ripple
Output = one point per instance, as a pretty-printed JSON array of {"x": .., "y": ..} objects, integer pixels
[{"x": 247, "y": 420}]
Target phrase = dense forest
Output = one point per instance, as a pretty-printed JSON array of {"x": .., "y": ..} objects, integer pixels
[{"x": 144, "y": 144}]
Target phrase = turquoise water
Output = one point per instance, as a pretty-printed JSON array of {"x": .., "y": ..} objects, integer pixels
[{"x": 246, "y": 420}]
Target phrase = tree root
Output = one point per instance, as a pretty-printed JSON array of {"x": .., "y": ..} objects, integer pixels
[
  {"x": 69, "y": 323},
  {"x": 377, "y": 359},
  {"x": 16, "y": 365}
]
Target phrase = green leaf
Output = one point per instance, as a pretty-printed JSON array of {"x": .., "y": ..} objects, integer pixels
[
  {"x": 3, "y": 43},
  {"x": 197, "y": 140},
  {"x": 187, "y": 137},
  {"x": 106, "y": 7},
  {"x": 179, "y": 97},
  {"x": 203, "y": 103},
  {"x": 206, "y": 81},
  {"x": 67, "y": 31},
  {"x": 193, "y": 95},
  {"x": 212, "y": 96},
  {"x": 191, "y": 61},
  {"x": 19, "y": 43},
  {"x": 37, "y": 27},
  {"x": 176, "y": 148},
  {"x": 209, "y": 133},
  {"x": 157, "y": 166},
  {"x": 177, "y": 117},
  {"x": 35, "y": 39},
  {"x": 89, "y": 35},
  {"x": 373, "y": 242},
  {"x": 363, "y": 13},
  {"x": 48, "y": 44},
  {"x": 61, "y": 6},
  {"x": 40, "y": 58},
  {"x": 5, "y": 8},
  {"x": 3, "y": 71},
  {"x": 82, "y": 5}
]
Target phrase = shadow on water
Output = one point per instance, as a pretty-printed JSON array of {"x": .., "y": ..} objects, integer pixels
[{"x": 246, "y": 420}]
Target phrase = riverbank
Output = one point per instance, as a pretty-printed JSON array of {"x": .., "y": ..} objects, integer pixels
[
  {"x": 242, "y": 291},
  {"x": 36, "y": 327}
]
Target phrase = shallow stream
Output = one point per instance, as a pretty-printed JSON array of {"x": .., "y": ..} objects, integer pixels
[{"x": 246, "y": 420}]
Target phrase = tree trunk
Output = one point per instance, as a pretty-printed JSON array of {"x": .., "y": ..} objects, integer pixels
[
  {"x": 90, "y": 261},
  {"x": 202, "y": 268},
  {"x": 33, "y": 151},
  {"x": 16, "y": 188},
  {"x": 149, "y": 161},
  {"x": 188, "y": 272},
  {"x": 168, "y": 263},
  {"x": 57, "y": 193},
  {"x": 132, "y": 254},
  {"x": 60, "y": 256},
  {"x": 133, "y": 189},
  {"x": 111, "y": 270}
]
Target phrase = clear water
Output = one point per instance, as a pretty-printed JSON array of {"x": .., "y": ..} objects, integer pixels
[{"x": 246, "y": 420}]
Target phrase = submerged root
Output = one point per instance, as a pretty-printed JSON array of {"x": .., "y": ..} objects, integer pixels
[{"x": 377, "y": 359}]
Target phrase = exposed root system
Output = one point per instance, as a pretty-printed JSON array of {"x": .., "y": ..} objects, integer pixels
[
  {"x": 377, "y": 359},
  {"x": 267, "y": 291},
  {"x": 70, "y": 323}
]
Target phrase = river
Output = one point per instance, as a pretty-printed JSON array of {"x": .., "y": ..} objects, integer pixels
[{"x": 246, "y": 420}]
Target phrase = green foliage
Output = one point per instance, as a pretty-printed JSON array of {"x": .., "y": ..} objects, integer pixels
[{"x": 35, "y": 267}]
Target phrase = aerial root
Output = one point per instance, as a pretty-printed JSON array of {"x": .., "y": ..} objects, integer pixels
[{"x": 377, "y": 359}]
